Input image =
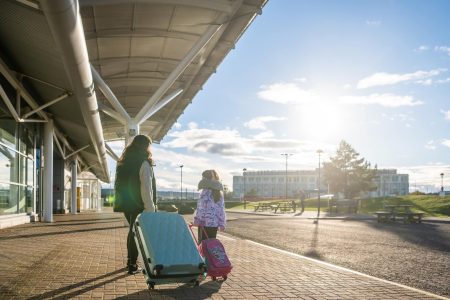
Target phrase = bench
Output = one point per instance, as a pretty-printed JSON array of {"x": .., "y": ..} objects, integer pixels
[
  {"x": 385, "y": 216},
  {"x": 263, "y": 207},
  {"x": 284, "y": 207},
  {"x": 411, "y": 217},
  {"x": 408, "y": 217},
  {"x": 350, "y": 204}
]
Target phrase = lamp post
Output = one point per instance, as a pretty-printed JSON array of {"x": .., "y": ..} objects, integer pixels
[
  {"x": 442, "y": 182},
  {"x": 243, "y": 175},
  {"x": 318, "y": 187},
  {"x": 285, "y": 189},
  {"x": 181, "y": 181}
]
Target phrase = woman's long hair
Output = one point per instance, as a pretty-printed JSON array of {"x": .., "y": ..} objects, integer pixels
[
  {"x": 139, "y": 145},
  {"x": 213, "y": 175}
]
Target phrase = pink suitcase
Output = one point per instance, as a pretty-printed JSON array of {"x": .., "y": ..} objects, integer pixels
[{"x": 217, "y": 262}]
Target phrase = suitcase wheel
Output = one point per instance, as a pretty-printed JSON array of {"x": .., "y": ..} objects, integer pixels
[
  {"x": 225, "y": 277},
  {"x": 195, "y": 282},
  {"x": 213, "y": 278},
  {"x": 151, "y": 285}
]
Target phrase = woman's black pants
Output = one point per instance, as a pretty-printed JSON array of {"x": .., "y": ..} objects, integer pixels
[{"x": 131, "y": 244}]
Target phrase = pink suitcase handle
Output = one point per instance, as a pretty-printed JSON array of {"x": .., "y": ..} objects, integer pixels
[{"x": 204, "y": 231}]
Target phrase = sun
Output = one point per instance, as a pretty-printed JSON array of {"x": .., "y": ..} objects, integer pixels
[{"x": 320, "y": 120}]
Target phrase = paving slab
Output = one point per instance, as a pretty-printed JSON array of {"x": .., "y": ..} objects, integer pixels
[{"x": 84, "y": 257}]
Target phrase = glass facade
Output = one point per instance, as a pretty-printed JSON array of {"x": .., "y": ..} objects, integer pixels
[{"x": 17, "y": 176}]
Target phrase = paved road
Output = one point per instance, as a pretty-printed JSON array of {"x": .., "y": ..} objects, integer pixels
[{"x": 416, "y": 255}]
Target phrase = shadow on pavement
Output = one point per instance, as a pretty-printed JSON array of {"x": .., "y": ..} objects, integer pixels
[
  {"x": 185, "y": 291},
  {"x": 58, "y": 233},
  {"x": 88, "y": 222},
  {"x": 312, "y": 251},
  {"x": 425, "y": 234},
  {"x": 61, "y": 292}
]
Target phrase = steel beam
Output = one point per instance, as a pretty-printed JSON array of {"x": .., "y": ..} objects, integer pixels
[
  {"x": 64, "y": 20},
  {"x": 179, "y": 69},
  {"x": 56, "y": 100},
  {"x": 217, "y": 5},
  {"x": 104, "y": 88}
]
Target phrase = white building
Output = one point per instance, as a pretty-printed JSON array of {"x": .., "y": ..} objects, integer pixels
[
  {"x": 269, "y": 184},
  {"x": 389, "y": 183},
  {"x": 272, "y": 184}
]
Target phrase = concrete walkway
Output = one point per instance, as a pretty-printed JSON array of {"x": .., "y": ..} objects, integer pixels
[{"x": 83, "y": 257}]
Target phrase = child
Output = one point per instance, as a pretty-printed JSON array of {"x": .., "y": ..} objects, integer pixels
[{"x": 210, "y": 212}]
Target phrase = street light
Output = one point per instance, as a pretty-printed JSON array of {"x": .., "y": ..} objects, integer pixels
[
  {"x": 285, "y": 190},
  {"x": 243, "y": 175},
  {"x": 442, "y": 182},
  {"x": 181, "y": 188},
  {"x": 318, "y": 187}
]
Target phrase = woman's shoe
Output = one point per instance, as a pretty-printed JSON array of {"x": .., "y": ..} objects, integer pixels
[{"x": 132, "y": 269}]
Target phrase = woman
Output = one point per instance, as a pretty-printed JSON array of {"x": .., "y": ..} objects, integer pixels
[
  {"x": 210, "y": 212},
  {"x": 135, "y": 188}
]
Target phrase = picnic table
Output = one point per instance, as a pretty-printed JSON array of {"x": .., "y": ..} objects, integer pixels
[
  {"x": 402, "y": 211},
  {"x": 285, "y": 207},
  {"x": 350, "y": 204},
  {"x": 263, "y": 206},
  {"x": 275, "y": 207}
]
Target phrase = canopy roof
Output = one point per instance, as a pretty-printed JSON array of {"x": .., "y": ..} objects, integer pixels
[{"x": 149, "y": 58}]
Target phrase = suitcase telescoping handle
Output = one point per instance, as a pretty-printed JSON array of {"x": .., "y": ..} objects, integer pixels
[{"x": 204, "y": 231}]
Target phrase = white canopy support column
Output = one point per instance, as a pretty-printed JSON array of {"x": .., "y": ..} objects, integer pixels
[
  {"x": 73, "y": 198},
  {"x": 112, "y": 113},
  {"x": 179, "y": 69},
  {"x": 48, "y": 172},
  {"x": 104, "y": 88},
  {"x": 131, "y": 130},
  {"x": 111, "y": 153},
  {"x": 161, "y": 104}
]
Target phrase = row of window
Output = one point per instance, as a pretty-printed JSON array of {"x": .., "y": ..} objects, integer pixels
[
  {"x": 17, "y": 168},
  {"x": 278, "y": 179}
]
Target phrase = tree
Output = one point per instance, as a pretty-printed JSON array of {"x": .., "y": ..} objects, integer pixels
[{"x": 348, "y": 174}]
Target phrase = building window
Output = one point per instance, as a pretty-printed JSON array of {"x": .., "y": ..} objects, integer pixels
[{"x": 16, "y": 168}]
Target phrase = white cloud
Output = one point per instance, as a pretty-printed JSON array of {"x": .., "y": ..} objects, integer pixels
[
  {"x": 444, "y": 49},
  {"x": 374, "y": 23},
  {"x": 446, "y": 114},
  {"x": 430, "y": 145},
  {"x": 230, "y": 145},
  {"x": 446, "y": 80},
  {"x": 446, "y": 142},
  {"x": 426, "y": 82},
  {"x": 177, "y": 125},
  {"x": 260, "y": 122},
  {"x": 422, "y": 48},
  {"x": 382, "y": 78},
  {"x": 264, "y": 135},
  {"x": 201, "y": 140},
  {"x": 388, "y": 100},
  {"x": 301, "y": 79},
  {"x": 286, "y": 93},
  {"x": 347, "y": 86},
  {"x": 192, "y": 125}
]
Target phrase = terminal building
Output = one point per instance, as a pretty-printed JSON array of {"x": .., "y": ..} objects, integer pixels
[
  {"x": 77, "y": 74},
  {"x": 273, "y": 184}
]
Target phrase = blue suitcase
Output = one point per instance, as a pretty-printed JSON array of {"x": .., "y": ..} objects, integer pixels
[{"x": 169, "y": 253}]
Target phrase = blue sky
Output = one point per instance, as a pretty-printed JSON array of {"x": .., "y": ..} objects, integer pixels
[{"x": 308, "y": 74}]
